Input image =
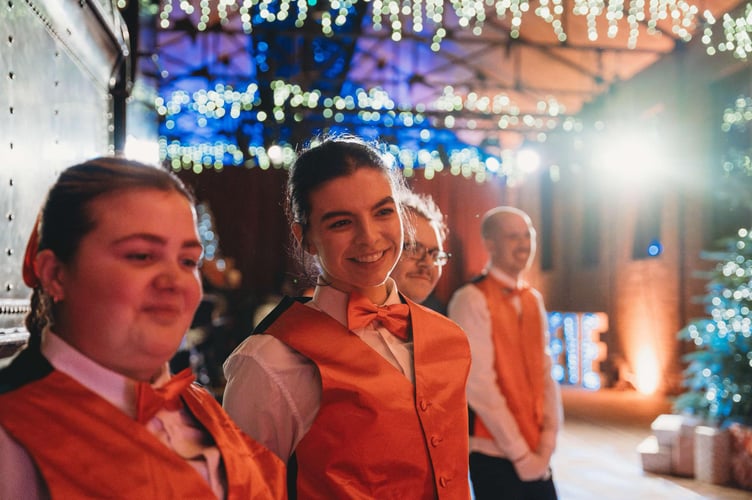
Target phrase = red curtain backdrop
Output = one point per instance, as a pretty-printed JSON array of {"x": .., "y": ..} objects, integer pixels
[
  {"x": 249, "y": 219},
  {"x": 463, "y": 201}
]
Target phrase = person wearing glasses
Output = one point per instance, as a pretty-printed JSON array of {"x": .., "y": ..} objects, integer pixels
[
  {"x": 423, "y": 256},
  {"x": 515, "y": 406}
]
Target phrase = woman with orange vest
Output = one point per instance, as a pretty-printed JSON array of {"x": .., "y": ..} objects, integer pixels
[
  {"x": 361, "y": 390},
  {"x": 88, "y": 409}
]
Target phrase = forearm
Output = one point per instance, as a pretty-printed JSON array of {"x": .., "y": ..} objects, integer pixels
[
  {"x": 553, "y": 414},
  {"x": 491, "y": 408}
]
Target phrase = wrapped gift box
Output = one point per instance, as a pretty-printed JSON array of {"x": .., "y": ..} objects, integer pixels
[
  {"x": 676, "y": 434},
  {"x": 741, "y": 455},
  {"x": 712, "y": 454},
  {"x": 666, "y": 429},
  {"x": 655, "y": 458},
  {"x": 683, "y": 451}
]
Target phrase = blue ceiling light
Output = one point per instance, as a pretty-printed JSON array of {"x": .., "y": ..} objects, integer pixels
[{"x": 655, "y": 248}]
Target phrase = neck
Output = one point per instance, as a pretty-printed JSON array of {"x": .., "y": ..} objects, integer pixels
[
  {"x": 377, "y": 295},
  {"x": 514, "y": 275}
]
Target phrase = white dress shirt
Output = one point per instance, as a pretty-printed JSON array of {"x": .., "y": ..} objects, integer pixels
[
  {"x": 176, "y": 429},
  {"x": 469, "y": 309},
  {"x": 274, "y": 393}
]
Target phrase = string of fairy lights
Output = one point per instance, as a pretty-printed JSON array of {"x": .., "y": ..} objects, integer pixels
[
  {"x": 291, "y": 103},
  {"x": 420, "y": 16},
  {"x": 737, "y": 119}
]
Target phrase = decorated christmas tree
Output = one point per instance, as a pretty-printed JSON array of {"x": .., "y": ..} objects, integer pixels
[
  {"x": 719, "y": 372},
  {"x": 718, "y": 377}
]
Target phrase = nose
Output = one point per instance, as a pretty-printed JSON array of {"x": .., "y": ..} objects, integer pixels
[
  {"x": 166, "y": 280},
  {"x": 425, "y": 260},
  {"x": 172, "y": 276},
  {"x": 367, "y": 231}
]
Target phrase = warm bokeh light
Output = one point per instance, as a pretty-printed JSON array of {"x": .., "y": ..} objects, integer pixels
[
  {"x": 646, "y": 371},
  {"x": 647, "y": 355}
]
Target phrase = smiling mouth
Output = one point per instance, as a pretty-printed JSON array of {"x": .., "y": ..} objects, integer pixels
[
  {"x": 163, "y": 310},
  {"x": 422, "y": 276},
  {"x": 369, "y": 258},
  {"x": 165, "y": 316}
]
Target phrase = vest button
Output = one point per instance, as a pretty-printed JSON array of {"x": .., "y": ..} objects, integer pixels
[
  {"x": 435, "y": 441},
  {"x": 443, "y": 482},
  {"x": 424, "y": 404}
]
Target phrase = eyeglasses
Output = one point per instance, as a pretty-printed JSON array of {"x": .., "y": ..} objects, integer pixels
[{"x": 416, "y": 251}]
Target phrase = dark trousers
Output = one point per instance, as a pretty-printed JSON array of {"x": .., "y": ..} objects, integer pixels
[{"x": 495, "y": 479}]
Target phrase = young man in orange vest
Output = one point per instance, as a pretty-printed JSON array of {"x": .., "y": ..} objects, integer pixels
[{"x": 515, "y": 404}]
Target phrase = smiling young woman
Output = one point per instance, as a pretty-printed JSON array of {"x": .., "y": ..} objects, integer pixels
[{"x": 359, "y": 389}]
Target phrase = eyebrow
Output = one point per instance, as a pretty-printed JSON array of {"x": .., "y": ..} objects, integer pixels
[
  {"x": 152, "y": 238},
  {"x": 343, "y": 213}
]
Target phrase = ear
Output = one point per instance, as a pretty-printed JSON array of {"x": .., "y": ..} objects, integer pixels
[
  {"x": 297, "y": 231},
  {"x": 50, "y": 270}
]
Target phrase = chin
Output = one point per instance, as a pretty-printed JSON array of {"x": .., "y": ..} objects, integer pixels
[{"x": 417, "y": 295}]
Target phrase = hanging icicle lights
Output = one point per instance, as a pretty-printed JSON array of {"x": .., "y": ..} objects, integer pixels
[
  {"x": 736, "y": 39},
  {"x": 428, "y": 16}
]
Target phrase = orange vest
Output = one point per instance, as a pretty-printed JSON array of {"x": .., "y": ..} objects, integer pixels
[
  {"x": 86, "y": 448},
  {"x": 377, "y": 435},
  {"x": 519, "y": 357}
]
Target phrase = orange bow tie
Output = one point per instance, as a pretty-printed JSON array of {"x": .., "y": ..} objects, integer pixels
[
  {"x": 395, "y": 318},
  {"x": 149, "y": 400}
]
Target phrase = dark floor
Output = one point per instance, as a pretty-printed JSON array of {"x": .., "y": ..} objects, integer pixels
[{"x": 597, "y": 457}]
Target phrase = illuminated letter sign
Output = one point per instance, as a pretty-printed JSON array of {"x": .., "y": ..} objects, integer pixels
[{"x": 576, "y": 348}]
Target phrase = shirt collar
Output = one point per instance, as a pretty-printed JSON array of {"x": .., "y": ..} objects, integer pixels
[
  {"x": 333, "y": 302},
  {"x": 504, "y": 278},
  {"x": 118, "y": 390}
]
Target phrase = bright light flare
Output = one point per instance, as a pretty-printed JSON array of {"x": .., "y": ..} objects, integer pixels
[
  {"x": 631, "y": 158},
  {"x": 143, "y": 150},
  {"x": 493, "y": 164},
  {"x": 528, "y": 160},
  {"x": 275, "y": 154}
]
